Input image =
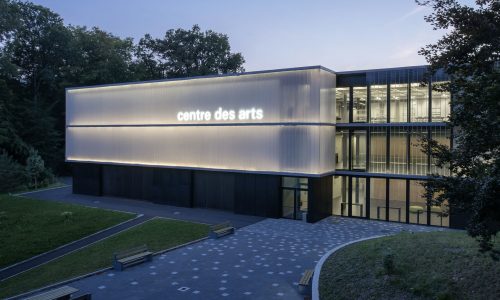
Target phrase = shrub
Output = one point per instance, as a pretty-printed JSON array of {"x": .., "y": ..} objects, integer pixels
[{"x": 12, "y": 174}]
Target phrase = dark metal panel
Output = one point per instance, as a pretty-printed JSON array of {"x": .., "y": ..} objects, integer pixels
[
  {"x": 86, "y": 179},
  {"x": 319, "y": 198},
  {"x": 214, "y": 190}
]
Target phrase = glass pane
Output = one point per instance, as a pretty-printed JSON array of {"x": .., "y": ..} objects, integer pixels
[
  {"x": 294, "y": 182},
  {"x": 378, "y": 146},
  {"x": 358, "y": 150},
  {"x": 442, "y": 136},
  {"x": 302, "y": 202},
  {"x": 397, "y": 200},
  {"x": 359, "y": 104},
  {"x": 378, "y": 104},
  {"x": 339, "y": 205},
  {"x": 437, "y": 217},
  {"x": 440, "y": 106},
  {"x": 418, "y": 203},
  {"x": 288, "y": 203},
  {"x": 418, "y": 159},
  {"x": 377, "y": 198},
  {"x": 342, "y": 105},
  {"x": 419, "y": 103},
  {"x": 398, "y": 159},
  {"x": 358, "y": 204},
  {"x": 341, "y": 149},
  {"x": 399, "y": 100}
]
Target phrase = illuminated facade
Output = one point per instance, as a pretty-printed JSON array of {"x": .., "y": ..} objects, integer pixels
[{"x": 295, "y": 143}]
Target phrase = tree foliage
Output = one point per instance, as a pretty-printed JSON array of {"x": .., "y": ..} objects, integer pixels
[
  {"x": 470, "y": 53},
  {"x": 40, "y": 56}
]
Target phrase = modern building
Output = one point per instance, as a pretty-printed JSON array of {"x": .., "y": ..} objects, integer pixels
[{"x": 301, "y": 143}]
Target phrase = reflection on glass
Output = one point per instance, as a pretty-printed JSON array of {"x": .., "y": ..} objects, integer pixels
[
  {"x": 438, "y": 217},
  {"x": 440, "y": 105},
  {"x": 398, "y": 160},
  {"x": 340, "y": 188},
  {"x": 358, "y": 149},
  {"x": 378, "y": 146},
  {"x": 418, "y": 159},
  {"x": 341, "y": 149},
  {"x": 378, "y": 104},
  {"x": 399, "y": 100},
  {"x": 397, "y": 200},
  {"x": 419, "y": 103},
  {"x": 358, "y": 204},
  {"x": 442, "y": 136},
  {"x": 342, "y": 105},
  {"x": 377, "y": 198},
  {"x": 359, "y": 104},
  {"x": 418, "y": 203},
  {"x": 288, "y": 206}
]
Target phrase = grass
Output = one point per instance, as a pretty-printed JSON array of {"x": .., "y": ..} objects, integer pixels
[
  {"x": 29, "y": 227},
  {"x": 158, "y": 234},
  {"x": 437, "y": 265}
]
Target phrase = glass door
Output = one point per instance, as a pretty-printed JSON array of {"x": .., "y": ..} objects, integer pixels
[{"x": 294, "y": 197}]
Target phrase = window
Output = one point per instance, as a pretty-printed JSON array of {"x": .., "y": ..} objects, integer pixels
[
  {"x": 378, "y": 150},
  {"x": 359, "y": 104},
  {"x": 358, "y": 204},
  {"x": 358, "y": 150},
  {"x": 440, "y": 105},
  {"x": 342, "y": 149},
  {"x": 419, "y": 107},
  {"x": 397, "y": 200},
  {"x": 342, "y": 105},
  {"x": 377, "y": 198},
  {"x": 378, "y": 104},
  {"x": 340, "y": 188},
  {"x": 398, "y": 159},
  {"x": 418, "y": 203},
  {"x": 442, "y": 136},
  {"x": 418, "y": 159},
  {"x": 399, "y": 100}
]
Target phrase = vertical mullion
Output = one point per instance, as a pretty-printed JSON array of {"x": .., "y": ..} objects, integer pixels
[
  {"x": 351, "y": 104},
  {"x": 367, "y": 198},
  {"x": 368, "y": 103},
  {"x": 407, "y": 201},
  {"x": 349, "y": 197}
]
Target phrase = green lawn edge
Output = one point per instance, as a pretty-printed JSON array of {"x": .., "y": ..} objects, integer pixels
[
  {"x": 159, "y": 234},
  {"x": 29, "y": 227},
  {"x": 435, "y": 265}
]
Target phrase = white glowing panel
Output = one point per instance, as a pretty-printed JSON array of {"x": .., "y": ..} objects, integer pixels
[{"x": 266, "y": 122}]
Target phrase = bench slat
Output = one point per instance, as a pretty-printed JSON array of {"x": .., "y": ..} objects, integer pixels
[
  {"x": 306, "y": 278},
  {"x": 56, "y": 293},
  {"x": 134, "y": 257}
]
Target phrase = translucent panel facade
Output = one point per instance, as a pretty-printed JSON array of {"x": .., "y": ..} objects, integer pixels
[
  {"x": 207, "y": 123},
  {"x": 378, "y": 104}
]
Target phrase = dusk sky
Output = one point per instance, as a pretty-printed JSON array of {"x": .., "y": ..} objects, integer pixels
[{"x": 340, "y": 35}]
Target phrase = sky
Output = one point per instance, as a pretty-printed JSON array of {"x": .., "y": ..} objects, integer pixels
[{"x": 271, "y": 34}]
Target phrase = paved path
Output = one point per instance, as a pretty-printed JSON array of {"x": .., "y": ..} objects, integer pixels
[
  {"x": 200, "y": 215},
  {"x": 63, "y": 250},
  {"x": 261, "y": 261}
]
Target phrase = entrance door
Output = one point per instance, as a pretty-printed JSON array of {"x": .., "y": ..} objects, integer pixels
[{"x": 294, "y": 203}]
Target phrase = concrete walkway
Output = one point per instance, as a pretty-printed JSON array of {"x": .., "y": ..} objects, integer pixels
[
  {"x": 68, "y": 248},
  {"x": 261, "y": 261}
]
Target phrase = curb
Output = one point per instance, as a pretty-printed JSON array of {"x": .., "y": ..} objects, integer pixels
[
  {"x": 65, "y": 245},
  {"x": 41, "y": 190},
  {"x": 64, "y": 282},
  {"x": 319, "y": 265}
]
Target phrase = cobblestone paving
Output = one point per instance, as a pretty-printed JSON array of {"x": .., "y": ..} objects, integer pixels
[{"x": 261, "y": 261}]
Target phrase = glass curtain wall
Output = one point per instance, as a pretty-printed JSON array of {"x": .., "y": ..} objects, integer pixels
[
  {"x": 342, "y": 105},
  {"x": 377, "y": 198},
  {"x": 358, "y": 204},
  {"x": 359, "y": 109},
  {"x": 419, "y": 105},
  {"x": 378, "y": 104},
  {"x": 397, "y": 200},
  {"x": 342, "y": 149},
  {"x": 418, "y": 159},
  {"x": 358, "y": 150},
  {"x": 398, "y": 151},
  {"x": 399, "y": 101},
  {"x": 418, "y": 203},
  {"x": 442, "y": 136},
  {"x": 378, "y": 150},
  {"x": 340, "y": 201},
  {"x": 440, "y": 105}
]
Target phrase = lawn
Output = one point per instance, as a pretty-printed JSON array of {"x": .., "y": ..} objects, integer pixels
[
  {"x": 29, "y": 227},
  {"x": 158, "y": 234},
  {"x": 437, "y": 265}
]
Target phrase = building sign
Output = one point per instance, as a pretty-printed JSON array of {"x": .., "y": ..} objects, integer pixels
[{"x": 221, "y": 115}]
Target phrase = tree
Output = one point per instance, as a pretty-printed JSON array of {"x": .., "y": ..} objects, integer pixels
[
  {"x": 470, "y": 53},
  {"x": 34, "y": 166},
  {"x": 183, "y": 53}
]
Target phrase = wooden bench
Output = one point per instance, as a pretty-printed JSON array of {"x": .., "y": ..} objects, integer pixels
[
  {"x": 305, "y": 283},
  {"x": 222, "y": 229},
  {"x": 62, "y": 293},
  {"x": 131, "y": 257}
]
